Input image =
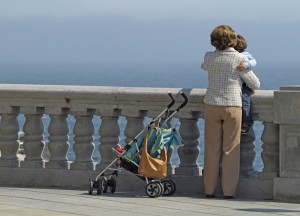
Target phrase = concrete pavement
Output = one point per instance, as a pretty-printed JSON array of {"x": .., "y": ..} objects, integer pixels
[{"x": 58, "y": 202}]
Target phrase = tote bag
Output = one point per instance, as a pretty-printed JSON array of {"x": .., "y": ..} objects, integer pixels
[{"x": 152, "y": 167}]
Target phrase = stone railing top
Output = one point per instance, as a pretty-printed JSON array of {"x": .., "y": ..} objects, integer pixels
[
  {"x": 91, "y": 92},
  {"x": 290, "y": 88},
  {"x": 105, "y": 100}
]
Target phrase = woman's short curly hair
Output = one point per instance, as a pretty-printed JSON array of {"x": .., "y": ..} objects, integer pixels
[{"x": 223, "y": 37}]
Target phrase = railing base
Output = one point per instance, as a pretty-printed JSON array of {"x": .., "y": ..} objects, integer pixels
[
  {"x": 126, "y": 181},
  {"x": 57, "y": 165},
  {"x": 32, "y": 164},
  {"x": 82, "y": 166},
  {"x": 247, "y": 188},
  {"x": 188, "y": 171},
  {"x": 287, "y": 189},
  {"x": 9, "y": 163}
]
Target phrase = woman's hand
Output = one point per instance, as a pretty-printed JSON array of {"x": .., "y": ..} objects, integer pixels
[{"x": 241, "y": 67}]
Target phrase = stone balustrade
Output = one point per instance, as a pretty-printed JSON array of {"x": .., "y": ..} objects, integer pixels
[{"x": 108, "y": 104}]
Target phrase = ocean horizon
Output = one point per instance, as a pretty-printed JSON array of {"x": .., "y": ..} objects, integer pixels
[
  {"x": 150, "y": 74},
  {"x": 140, "y": 74}
]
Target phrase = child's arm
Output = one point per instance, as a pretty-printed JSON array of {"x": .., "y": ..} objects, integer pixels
[
  {"x": 248, "y": 64},
  {"x": 251, "y": 60}
]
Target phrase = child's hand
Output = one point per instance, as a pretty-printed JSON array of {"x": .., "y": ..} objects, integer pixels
[{"x": 241, "y": 67}]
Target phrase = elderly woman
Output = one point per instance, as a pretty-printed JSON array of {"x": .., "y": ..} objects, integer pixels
[{"x": 223, "y": 111}]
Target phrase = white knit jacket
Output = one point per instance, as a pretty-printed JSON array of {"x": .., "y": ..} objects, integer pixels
[{"x": 224, "y": 81}]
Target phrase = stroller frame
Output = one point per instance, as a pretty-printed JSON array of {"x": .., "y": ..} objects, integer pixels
[{"x": 154, "y": 187}]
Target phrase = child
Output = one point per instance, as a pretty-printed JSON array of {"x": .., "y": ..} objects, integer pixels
[{"x": 247, "y": 120}]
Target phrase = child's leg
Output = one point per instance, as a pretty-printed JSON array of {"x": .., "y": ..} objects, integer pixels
[{"x": 247, "y": 120}]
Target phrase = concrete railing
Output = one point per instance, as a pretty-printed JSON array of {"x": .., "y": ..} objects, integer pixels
[{"x": 108, "y": 104}]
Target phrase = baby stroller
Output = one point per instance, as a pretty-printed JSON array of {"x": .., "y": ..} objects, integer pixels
[{"x": 145, "y": 156}]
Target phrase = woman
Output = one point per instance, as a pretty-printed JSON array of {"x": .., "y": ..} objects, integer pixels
[{"x": 223, "y": 111}]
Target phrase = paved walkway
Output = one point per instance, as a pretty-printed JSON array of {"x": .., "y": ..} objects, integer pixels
[{"x": 50, "y": 202}]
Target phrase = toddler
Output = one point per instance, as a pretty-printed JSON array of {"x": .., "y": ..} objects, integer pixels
[{"x": 247, "y": 121}]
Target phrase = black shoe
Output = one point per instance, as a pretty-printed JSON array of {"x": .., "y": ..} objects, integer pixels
[
  {"x": 245, "y": 128},
  {"x": 228, "y": 197},
  {"x": 210, "y": 196}
]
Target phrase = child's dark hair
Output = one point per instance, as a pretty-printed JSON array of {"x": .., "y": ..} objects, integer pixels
[{"x": 241, "y": 44}]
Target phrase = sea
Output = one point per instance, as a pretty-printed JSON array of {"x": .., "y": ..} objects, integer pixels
[{"x": 138, "y": 74}]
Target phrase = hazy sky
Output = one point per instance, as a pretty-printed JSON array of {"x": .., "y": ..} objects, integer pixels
[
  {"x": 143, "y": 30},
  {"x": 271, "y": 10}
]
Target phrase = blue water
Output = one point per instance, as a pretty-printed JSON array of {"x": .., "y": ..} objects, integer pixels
[{"x": 169, "y": 75}]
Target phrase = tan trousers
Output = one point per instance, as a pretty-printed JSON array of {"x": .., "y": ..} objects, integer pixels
[{"x": 222, "y": 136}]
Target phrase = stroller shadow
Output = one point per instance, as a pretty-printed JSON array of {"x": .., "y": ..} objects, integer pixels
[
  {"x": 141, "y": 194},
  {"x": 118, "y": 194}
]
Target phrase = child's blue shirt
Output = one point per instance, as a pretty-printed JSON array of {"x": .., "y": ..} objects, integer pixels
[{"x": 251, "y": 61}]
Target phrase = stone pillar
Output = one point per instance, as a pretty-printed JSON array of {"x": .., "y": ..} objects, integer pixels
[
  {"x": 109, "y": 137},
  {"x": 270, "y": 153},
  {"x": 83, "y": 143},
  {"x": 9, "y": 143},
  {"x": 58, "y": 145},
  {"x": 287, "y": 115},
  {"x": 33, "y": 141},
  {"x": 189, "y": 153},
  {"x": 247, "y": 154}
]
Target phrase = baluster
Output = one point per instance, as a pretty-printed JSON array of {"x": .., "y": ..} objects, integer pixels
[
  {"x": 189, "y": 152},
  {"x": 247, "y": 154},
  {"x": 83, "y": 143},
  {"x": 58, "y": 145},
  {"x": 109, "y": 137},
  {"x": 133, "y": 127},
  {"x": 270, "y": 153},
  {"x": 9, "y": 143},
  {"x": 33, "y": 141},
  {"x": 170, "y": 167}
]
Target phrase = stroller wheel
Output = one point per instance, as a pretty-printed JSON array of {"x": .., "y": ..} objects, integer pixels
[
  {"x": 91, "y": 186},
  {"x": 113, "y": 184},
  {"x": 161, "y": 188},
  {"x": 99, "y": 187},
  {"x": 169, "y": 187},
  {"x": 173, "y": 185},
  {"x": 104, "y": 184},
  {"x": 153, "y": 189}
]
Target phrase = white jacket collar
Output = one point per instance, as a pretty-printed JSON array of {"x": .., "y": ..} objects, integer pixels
[{"x": 229, "y": 49}]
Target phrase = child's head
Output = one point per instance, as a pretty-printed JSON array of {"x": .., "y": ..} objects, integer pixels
[
  {"x": 241, "y": 44},
  {"x": 223, "y": 37}
]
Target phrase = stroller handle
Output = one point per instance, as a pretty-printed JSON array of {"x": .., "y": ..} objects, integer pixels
[
  {"x": 184, "y": 102},
  {"x": 180, "y": 107},
  {"x": 168, "y": 107},
  {"x": 172, "y": 102}
]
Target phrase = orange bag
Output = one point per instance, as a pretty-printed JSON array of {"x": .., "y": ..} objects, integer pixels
[{"x": 152, "y": 167}]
